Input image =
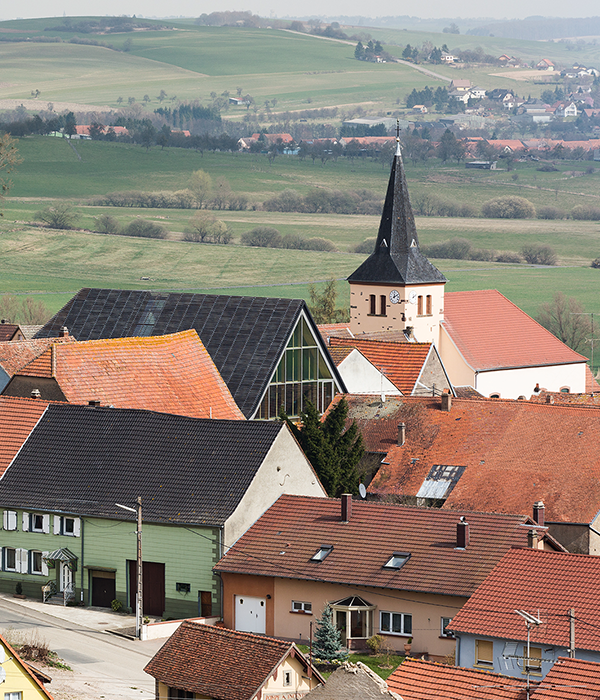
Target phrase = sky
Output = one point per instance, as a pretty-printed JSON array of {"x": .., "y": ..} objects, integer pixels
[{"x": 285, "y": 8}]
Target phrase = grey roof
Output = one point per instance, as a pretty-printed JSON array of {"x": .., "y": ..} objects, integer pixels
[
  {"x": 397, "y": 258},
  {"x": 353, "y": 682},
  {"x": 82, "y": 460},
  {"x": 245, "y": 336}
]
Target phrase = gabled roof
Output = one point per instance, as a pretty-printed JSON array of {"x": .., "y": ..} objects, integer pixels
[
  {"x": 18, "y": 417},
  {"x": 283, "y": 540},
  {"x": 545, "y": 584},
  {"x": 492, "y": 333},
  {"x": 220, "y": 663},
  {"x": 397, "y": 258},
  {"x": 15, "y": 355},
  {"x": 169, "y": 373},
  {"x": 353, "y": 682},
  {"x": 83, "y": 460},
  {"x": 570, "y": 679},
  {"x": 8, "y": 331},
  {"x": 245, "y": 336},
  {"x": 416, "y": 679},
  {"x": 25, "y": 670},
  {"x": 402, "y": 363},
  {"x": 515, "y": 452}
]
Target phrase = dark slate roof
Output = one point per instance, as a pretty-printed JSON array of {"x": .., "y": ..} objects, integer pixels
[
  {"x": 245, "y": 336},
  {"x": 83, "y": 460},
  {"x": 397, "y": 258}
]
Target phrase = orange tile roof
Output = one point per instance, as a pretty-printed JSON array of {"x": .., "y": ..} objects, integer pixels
[
  {"x": 27, "y": 670},
  {"x": 416, "y": 679},
  {"x": 540, "y": 582},
  {"x": 18, "y": 417},
  {"x": 298, "y": 526},
  {"x": 513, "y": 144},
  {"x": 14, "y": 356},
  {"x": 570, "y": 679},
  {"x": 402, "y": 363},
  {"x": 493, "y": 333},
  {"x": 341, "y": 330},
  {"x": 339, "y": 354},
  {"x": 171, "y": 374}
]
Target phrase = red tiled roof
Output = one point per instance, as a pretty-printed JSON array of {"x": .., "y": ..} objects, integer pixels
[
  {"x": 416, "y": 679},
  {"x": 27, "y": 670},
  {"x": 513, "y": 144},
  {"x": 16, "y": 355},
  {"x": 542, "y": 583},
  {"x": 219, "y": 663},
  {"x": 339, "y": 354},
  {"x": 340, "y": 330},
  {"x": 169, "y": 373},
  {"x": 7, "y": 331},
  {"x": 570, "y": 679},
  {"x": 283, "y": 540},
  {"x": 18, "y": 417},
  {"x": 493, "y": 333},
  {"x": 402, "y": 363}
]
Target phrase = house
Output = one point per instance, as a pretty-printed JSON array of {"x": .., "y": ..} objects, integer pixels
[
  {"x": 507, "y": 145},
  {"x": 19, "y": 680},
  {"x": 534, "y": 607},
  {"x": 448, "y": 58},
  {"x": 545, "y": 64},
  {"x": 477, "y": 93},
  {"x": 16, "y": 355},
  {"x": 167, "y": 373},
  {"x": 460, "y": 95},
  {"x": 202, "y": 483},
  {"x": 360, "y": 373},
  {"x": 212, "y": 662},
  {"x": 565, "y": 109},
  {"x": 489, "y": 455},
  {"x": 387, "y": 569},
  {"x": 354, "y": 681},
  {"x": 250, "y": 340},
  {"x": 10, "y": 332},
  {"x": 420, "y": 108},
  {"x": 461, "y": 85},
  {"x": 271, "y": 139}
]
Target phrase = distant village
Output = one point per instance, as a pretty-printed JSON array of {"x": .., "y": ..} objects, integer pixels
[{"x": 422, "y": 481}]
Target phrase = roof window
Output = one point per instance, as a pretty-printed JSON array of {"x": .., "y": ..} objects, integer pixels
[
  {"x": 397, "y": 560},
  {"x": 322, "y": 553}
]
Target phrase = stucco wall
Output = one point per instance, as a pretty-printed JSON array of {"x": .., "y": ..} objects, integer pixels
[
  {"x": 459, "y": 372},
  {"x": 17, "y": 680},
  {"x": 512, "y": 383},
  {"x": 361, "y": 377},
  {"x": 285, "y": 470}
]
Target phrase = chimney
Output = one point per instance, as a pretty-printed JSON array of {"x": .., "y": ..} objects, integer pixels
[
  {"x": 35, "y": 394},
  {"x": 446, "y": 404},
  {"x": 401, "y": 434},
  {"x": 532, "y": 539},
  {"x": 346, "y": 507},
  {"x": 95, "y": 403},
  {"x": 63, "y": 332},
  {"x": 462, "y": 533},
  {"x": 549, "y": 398},
  {"x": 539, "y": 513}
]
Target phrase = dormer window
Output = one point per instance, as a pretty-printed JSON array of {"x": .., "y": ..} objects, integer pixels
[
  {"x": 322, "y": 553},
  {"x": 397, "y": 560}
]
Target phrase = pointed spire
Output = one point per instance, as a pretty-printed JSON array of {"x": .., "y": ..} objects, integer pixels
[{"x": 397, "y": 258}]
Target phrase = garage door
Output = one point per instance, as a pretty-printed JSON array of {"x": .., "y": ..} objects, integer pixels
[{"x": 250, "y": 614}]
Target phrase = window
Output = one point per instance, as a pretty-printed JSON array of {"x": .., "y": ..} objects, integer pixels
[
  {"x": 353, "y": 617},
  {"x": 565, "y": 389},
  {"x": 287, "y": 678},
  {"x": 299, "y": 606},
  {"x": 533, "y": 664},
  {"x": 36, "y": 565},
  {"x": 419, "y": 306},
  {"x": 10, "y": 520},
  {"x": 494, "y": 396},
  {"x": 9, "y": 559},
  {"x": 397, "y": 560},
  {"x": 395, "y": 623},
  {"x": 373, "y": 306},
  {"x": 445, "y": 624},
  {"x": 67, "y": 526},
  {"x": 322, "y": 553},
  {"x": 36, "y": 522},
  {"x": 484, "y": 653},
  {"x": 383, "y": 305},
  {"x": 178, "y": 694},
  {"x": 429, "y": 305},
  {"x": 18, "y": 695}
]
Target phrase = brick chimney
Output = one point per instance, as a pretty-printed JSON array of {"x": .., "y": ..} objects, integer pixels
[
  {"x": 539, "y": 513},
  {"x": 63, "y": 332},
  {"x": 35, "y": 394},
  {"x": 401, "y": 434},
  {"x": 462, "y": 533},
  {"x": 346, "y": 507},
  {"x": 532, "y": 539},
  {"x": 95, "y": 403},
  {"x": 446, "y": 404}
]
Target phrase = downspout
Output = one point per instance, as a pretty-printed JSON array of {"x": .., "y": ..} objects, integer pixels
[
  {"x": 82, "y": 570},
  {"x": 457, "y": 660}
]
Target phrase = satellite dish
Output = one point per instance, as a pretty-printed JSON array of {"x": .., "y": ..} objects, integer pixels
[
  {"x": 2, "y": 674},
  {"x": 362, "y": 490}
]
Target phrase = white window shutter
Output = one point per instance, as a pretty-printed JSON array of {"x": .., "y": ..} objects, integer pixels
[
  {"x": 76, "y": 527},
  {"x": 22, "y": 561},
  {"x": 57, "y": 524},
  {"x": 5, "y": 520},
  {"x": 25, "y": 522},
  {"x": 46, "y": 523},
  {"x": 44, "y": 565},
  {"x": 12, "y": 519}
]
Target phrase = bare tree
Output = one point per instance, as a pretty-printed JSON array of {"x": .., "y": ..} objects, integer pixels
[
  {"x": 564, "y": 317},
  {"x": 9, "y": 157}
]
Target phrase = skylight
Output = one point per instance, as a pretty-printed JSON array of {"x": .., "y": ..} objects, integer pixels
[
  {"x": 322, "y": 552},
  {"x": 397, "y": 560}
]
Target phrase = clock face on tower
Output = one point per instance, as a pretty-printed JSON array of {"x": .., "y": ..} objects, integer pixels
[
  {"x": 412, "y": 297},
  {"x": 394, "y": 296}
]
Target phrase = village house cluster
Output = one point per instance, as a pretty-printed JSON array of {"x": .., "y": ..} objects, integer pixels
[{"x": 475, "y": 537}]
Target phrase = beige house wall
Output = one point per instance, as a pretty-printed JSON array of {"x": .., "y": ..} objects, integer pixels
[
  {"x": 425, "y": 327},
  {"x": 458, "y": 370},
  {"x": 17, "y": 679}
]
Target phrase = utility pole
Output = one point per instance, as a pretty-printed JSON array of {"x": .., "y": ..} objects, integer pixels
[{"x": 139, "y": 606}]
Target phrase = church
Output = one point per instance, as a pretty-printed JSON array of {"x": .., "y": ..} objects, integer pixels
[{"x": 484, "y": 340}]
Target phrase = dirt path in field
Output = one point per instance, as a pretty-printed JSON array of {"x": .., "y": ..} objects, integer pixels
[{"x": 58, "y": 106}]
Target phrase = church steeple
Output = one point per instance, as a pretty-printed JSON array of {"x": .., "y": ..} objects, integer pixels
[{"x": 397, "y": 258}]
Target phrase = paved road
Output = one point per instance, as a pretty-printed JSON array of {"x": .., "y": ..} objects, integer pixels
[{"x": 104, "y": 665}]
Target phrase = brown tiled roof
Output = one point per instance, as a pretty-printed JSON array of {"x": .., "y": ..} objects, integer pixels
[
  {"x": 467, "y": 392},
  {"x": 353, "y": 682},
  {"x": 416, "y": 679},
  {"x": 171, "y": 373},
  {"x": 16, "y": 355},
  {"x": 402, "y": 363},
  {"x": 570, "y": 679},
  {"x": 18, "y": 417},
  {"x": 283, "y": 540},
  {"x": 339, "y": 354},
  {"x": 7, "y": 331},
  {"x": 219, "y": 663},
  {"x": 29, "y": 331},
  {"x": 492, "y": 333},
  {"x": 542, "y": 583},
  {"x": 515, "y": 452}
]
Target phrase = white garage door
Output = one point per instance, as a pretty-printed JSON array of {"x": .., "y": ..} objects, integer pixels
[{"x": 250, "y": 614}]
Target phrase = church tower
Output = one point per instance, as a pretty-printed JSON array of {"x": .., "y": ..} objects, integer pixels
[{"x": 397, "y": 288}]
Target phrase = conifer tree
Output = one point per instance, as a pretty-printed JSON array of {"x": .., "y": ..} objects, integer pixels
[{"x": 328, "y": 641}]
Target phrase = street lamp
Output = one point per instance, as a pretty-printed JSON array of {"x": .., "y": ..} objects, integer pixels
[{"x": 139, "y": 607}]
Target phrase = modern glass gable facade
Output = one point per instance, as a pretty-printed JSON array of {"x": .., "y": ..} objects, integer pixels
[{"x": 303, "y": 374}]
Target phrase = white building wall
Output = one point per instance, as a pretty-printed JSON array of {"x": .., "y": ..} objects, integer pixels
[
  {"x": 361, "y": 377},
  {"x": 512, "y": 383}
]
